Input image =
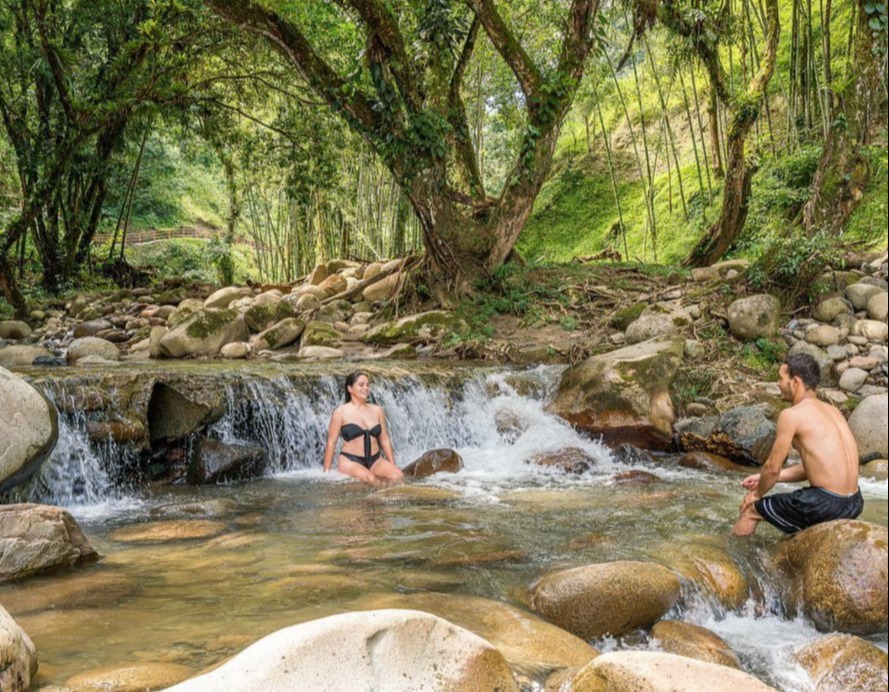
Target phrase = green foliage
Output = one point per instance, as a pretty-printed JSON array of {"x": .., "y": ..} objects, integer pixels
[
  {"x": 192, "y": 258},
  {"x": 764, "y": 355},
  {"x": 790, "y": 263}
]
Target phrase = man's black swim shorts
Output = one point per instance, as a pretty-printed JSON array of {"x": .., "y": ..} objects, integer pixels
[{"x": 792, "y": 512}]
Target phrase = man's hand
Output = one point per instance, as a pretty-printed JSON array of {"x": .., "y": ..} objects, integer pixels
[
  {"x": 751, "y": 482},
  {"x": 748, "y": 500}
]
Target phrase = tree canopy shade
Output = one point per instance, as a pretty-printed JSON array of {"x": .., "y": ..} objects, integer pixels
[{"x": 405, "y": 99}]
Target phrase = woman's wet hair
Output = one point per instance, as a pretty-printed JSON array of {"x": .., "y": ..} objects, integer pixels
[
  {"x": 805, "y": 367},
  {"x": 351, "y": 379}
]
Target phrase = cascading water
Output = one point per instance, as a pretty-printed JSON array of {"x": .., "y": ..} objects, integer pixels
[{"x": 537, "y": 518}]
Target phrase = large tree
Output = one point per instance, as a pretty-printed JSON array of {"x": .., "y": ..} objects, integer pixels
[{"x": 406, "y": 98}]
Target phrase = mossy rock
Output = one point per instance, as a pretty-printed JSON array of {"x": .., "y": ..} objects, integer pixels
[
  {"x": 831, "y": 284},
  {"x": 625, "y": 317},
  {"x": 319, "y": 334},
  {"x": 261, "y": 316},
  {"x": 426, "y": 326},
  {"x": 204, "y": 333}
]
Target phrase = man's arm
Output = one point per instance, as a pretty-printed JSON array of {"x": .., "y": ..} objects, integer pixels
[
  {"x": 791, "y": 474},
  {"x": 771, "y": 470}
]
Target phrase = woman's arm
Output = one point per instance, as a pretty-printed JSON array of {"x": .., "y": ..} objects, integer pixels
[
  {"x": 333, "y": 432},
  {"x": 385, "y": 441}
]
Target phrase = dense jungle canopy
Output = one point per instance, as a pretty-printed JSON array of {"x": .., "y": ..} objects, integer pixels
[{"x": 251, "y": 140}]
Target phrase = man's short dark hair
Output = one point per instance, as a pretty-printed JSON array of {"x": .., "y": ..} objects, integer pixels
[{"x": 805, "y": 367}]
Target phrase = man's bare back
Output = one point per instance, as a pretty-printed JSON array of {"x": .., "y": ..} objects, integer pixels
[{"x": 829, "y": 455}]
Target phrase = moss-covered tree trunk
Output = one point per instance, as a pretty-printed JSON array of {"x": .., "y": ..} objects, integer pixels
[{"x": 844, "y": 171}]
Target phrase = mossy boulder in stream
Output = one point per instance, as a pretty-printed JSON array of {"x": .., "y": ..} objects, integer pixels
[
  {"x": 282, "y": 334},
  {"x": 18, "y": 657},
  {"x": 320, "y": 334},
  {"x": 612, "y": 598},
  {"x": 204, "y": 333},
  {"x": 393, "y": 650},
  {"x": 261, "y": 316},
  {"x": 425, "y": 326},
  {"x": 839, "y": 575},
  {"x": 623, "y": 396},
  {"x": 29, "y": 430},
  {"x": 651, "y": 671},
  {"x": 842, "y": 662}
]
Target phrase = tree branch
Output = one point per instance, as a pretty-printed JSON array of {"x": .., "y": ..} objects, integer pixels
[{"x": 457, "y": 116}]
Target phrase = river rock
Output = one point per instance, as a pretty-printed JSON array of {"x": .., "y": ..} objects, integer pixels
[
  {"x": 121, "y": 432},
  {"x": 18, "y": 657},
  {"x": 828, "y": 310},
  {"x": 29, "y": 430},
  {"x": 871, "y": 330},
  {"x": 22, "y": 356},
  {"x": 92, "y": 346},
  {"x": 823, "y": 336},
  {"x": 319, "y": 274},
  {"x": 218, "y": 462},
  {"x": 571, "y": 460},
  {"x": 623, "y": 396},
  {"x": 204, "y": 333},
  {"x": 825, "y": 362},
  {"x": 91, "y": 328},
  {"x": 283, "y": 334},
  {"x": 84, "y": 588},
  {"x": 14, "y": 330},
  {"x": 853, "y": 379},
  {"x": 877, "y": 470},
  {"x": 750, "y": 428},
  {"x": 832, "y": 284},
  {"x": 135, "y": 677},
  {"x": 869, "y": 423},
  {"x": 860, "y": 293},
  {"x": 237, "y": 350},
  {"x": 650, "y": 326},
  {"x": 650, "y": 671},
  {"x": 434, "y": 461},
  {"x": 839, "y": 575},
  {"x": 709, "y": 567},
  {"x": 376, "y": 650},
  {"x": 612, "y": 598},
  {"x": 320, "y": 334},
  {"x": 383, "y": 289},
  {"x": 878, "y": 307},
  {"x": 319, "y": 353},
  {"x": 333, "y": 284},
  {"x": 307, "y": 302},
  {"x": 164, "y": 531},
  {"x": 692, "y": 641},
  {"x": 226, "y": 296},
  {"x": 177, "y": 410},
  {"x": 39, "y": 538},
  {"x": 719, "y": 271},
  {"x": 424, "y": 327},
  {"x": 703, "y": 461},
  {"x": 261, "y": 316},
  {"x": 334, "y": 312},
  {"x": 842, "y": 662},
  {"x": 755, "y": 317}
]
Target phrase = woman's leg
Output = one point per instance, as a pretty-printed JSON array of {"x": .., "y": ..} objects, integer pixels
[
  {"x": 383, "y": 468},
  {"x": 357, "y": 471}
]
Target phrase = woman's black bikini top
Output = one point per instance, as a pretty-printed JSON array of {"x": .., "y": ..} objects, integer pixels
[{"x": 351, "y": 431}]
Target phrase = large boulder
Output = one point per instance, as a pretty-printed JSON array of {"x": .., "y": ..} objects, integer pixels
[
  {"x": 650, "y": 671},
  {"x": 750, "y": 428},
  {"x": 204, "y": 333},
  {"x": 755, "y": 317},
  {"x": 839, "y": 575},
  {"x": 841, "y": 662},
  {"x": 572, "y": 460},
  {"x": 21, "y": 356},
  {"x": 434, "y": 461},
  {"x": 623, "y": 396},
  {"x": 869, "y": 426},
  {"x": 651, "y": 325},
  {"x": 389, "y": 650},
  {"x": 611, "y": 598},
  {"x": 284, "y": 333},
  {"x": 29, "y": 430},
  {"x": 828, "y": 310},
  {"x": 18, "y": 657},
  {"x": 708, "y": 567},
  {"x": 832, "y": 284},
  {"x": 383, "y": 289},
  {"x": 87, "y": 346},
  {"x": 720, "y": 270},
  {"x": 860, "y": 294},
  {"x": 872, "y": 330},
  {"x": 91, "y": 328},
  {"x": 825, "y": 362},
  {"x": 693, "y": 641},
  {"x": 14, "y": 330},
  {"x": 176, "y": 410},
  {"x": 425, "y": 326},
  {"x": 39, "y": 538},
  {"x": 319, "y": 334},
  {"x": 261, "y": 316},
  {"x": 226, "y": 296},
  {"x": 878, "y": 307},
  {"x": 134, "y": 677},
  {"x": 217, "y": 462}
]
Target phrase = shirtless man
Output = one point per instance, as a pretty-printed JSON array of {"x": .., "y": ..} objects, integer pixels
[{"x": 829, "y": 454}]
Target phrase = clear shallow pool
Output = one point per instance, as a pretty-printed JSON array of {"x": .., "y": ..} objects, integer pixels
[{"x": 301, "y": 544}]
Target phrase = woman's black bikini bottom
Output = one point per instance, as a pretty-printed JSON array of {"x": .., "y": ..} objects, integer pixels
[{"x": 366, "y": 462}]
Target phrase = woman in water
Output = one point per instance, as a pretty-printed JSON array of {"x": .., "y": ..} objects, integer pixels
[{"x": 367, "y": 450}]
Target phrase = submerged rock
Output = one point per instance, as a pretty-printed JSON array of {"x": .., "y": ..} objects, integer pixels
[
  {"x": 382, "y": 649},
  {"x": 18, "y": 657},
  {"x": 842, "y": 662},
  {"x": 623, "y": 396},
  {"x": 635, "y": 671},
  {"x": 839, "y": 575},
  {"x": 570, "y": 460},
  {"x": 29, "y": 430},
  {"x": 709, "y": 567},
  {"x": 692, "y": 641},
  {"x": 40, "y": 538},
  {"x": 163, "y": 531},
  {"x": 217, "y": 462},
  {"x": 606, "y": 599},
  {"x": 130, "y": 678},
  {"x": 434, "y": 461}
]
